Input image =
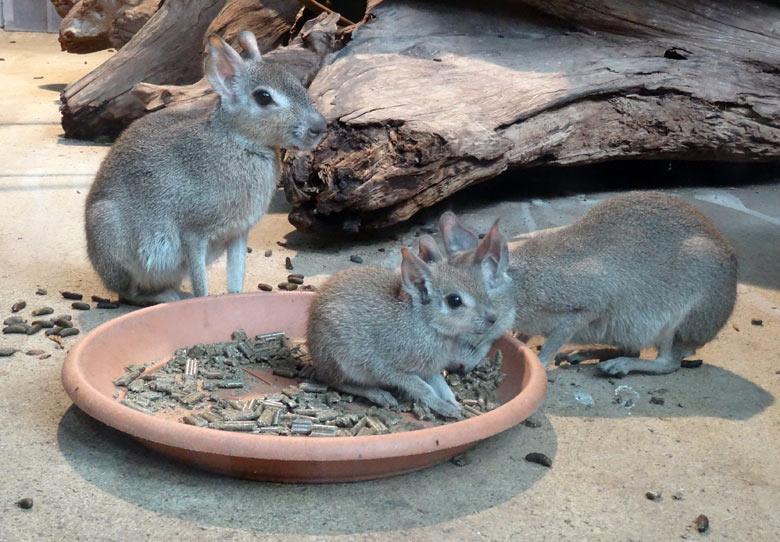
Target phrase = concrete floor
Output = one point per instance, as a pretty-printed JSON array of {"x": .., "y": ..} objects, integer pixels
[{"x": 715, "y": 439}]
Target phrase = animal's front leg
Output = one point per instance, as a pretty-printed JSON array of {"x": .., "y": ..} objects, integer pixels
[
  {"x": 236, "y": 264},
  {"x": 441, "y": 388},
  {"x": 562, "y": 333}
]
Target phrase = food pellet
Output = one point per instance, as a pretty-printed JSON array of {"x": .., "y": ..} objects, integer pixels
[
  {"x": 16, "y": 328},
  {"x": 702, "y": 523},
  {"x": 25, "y": 503},
  {"x": 19, "y": 305},
  {"x": 68, "y": 332},
  {"x": 288, "y": 263},
  {"x": 541, "y": 459},
  {"x": 72, "y": 295},
  {"x": 265, "y": 287},
  {"x": 42, "y": 311},
  {"x": 5, "y": 352},
  {"x": 80, "y": 305}
]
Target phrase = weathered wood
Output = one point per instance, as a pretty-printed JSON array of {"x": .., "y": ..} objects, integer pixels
[
  {"x": 303, "y": 57},
  {"x": 427, "y": 99},
  {"x": 168, "y": 49}
]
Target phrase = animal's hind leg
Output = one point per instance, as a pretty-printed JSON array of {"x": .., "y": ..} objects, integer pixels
[
  {"x": 668, "y": 359},
  {"x": 592, "y": 351},
  {"x": 381, "y": 397}
]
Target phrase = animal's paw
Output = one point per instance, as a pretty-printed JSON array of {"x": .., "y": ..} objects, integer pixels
[
  {"x": 573, "y": 357},
  {"x": 616, "y": 366},
  {"x": 444, "y": 408},
  {"x": 381, "y": 398}
]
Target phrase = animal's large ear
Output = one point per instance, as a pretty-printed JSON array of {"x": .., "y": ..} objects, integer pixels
[
  {"x": 248, "y": 42},
  {"x": 428, "y": 249},
  {"x": 457, "y": 238},
  {"x": 492, "y": 255},
  {"x": 223, "y": 67},
  {"x": 415, "y": 277}
]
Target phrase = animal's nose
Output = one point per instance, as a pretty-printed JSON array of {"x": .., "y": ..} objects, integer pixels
[
  {"x": 317, "y": 125},
  {"x": 491, "y": 318}
]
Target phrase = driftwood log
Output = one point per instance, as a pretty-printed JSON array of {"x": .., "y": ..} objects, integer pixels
[
  {"x": 93, "y": 25},
  {"x": 428, "y": 99},
  {"x": 169, "y": 50}
]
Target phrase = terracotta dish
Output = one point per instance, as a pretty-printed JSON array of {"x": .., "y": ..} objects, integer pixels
[{"x": 155, "y": 332}]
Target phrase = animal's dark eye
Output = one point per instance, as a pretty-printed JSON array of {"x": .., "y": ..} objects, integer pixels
[
  {"x": 454, "y": 301},
  {"x": 263, "y": 97}
]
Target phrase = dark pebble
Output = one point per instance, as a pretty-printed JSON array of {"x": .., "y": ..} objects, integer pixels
[
  {"x": 294, "y": 280},
  {"x": 309, "y": 288},
  {"x": 654, "y": 496},
  {"x": 19, "y": 305},
  {"x": 43, "y": 311},
  {"x": 265, "y": 287},
  {"x": 268, "y": 253},
  {"x": 756, "y": 322},
  {"x": 46, "y": 324},
  {"x": 72, "y": 295},
  {"x": 13, "y": 320},
  {"x": 68, "y": 331},
  {"x": 656, "y": 400},
  {"x": 98, "y": 299},
  {"x": 282, "y": 244},
  {"x": 541, "y": 459},
  {"x": 41, "y": 291},
  {"x": 249, "y": 250},
  {"x": 63, "y": 322},
  {"x": 107, "y": 305},
  {"x": 288, "y": 263},
  {"x": 25, "y": 503},
  {"x": 5, "y": 352},
  {"x": 691, "y": 363},
  {"x": 80, "y": 305},
  {"x": 532, "y": 423},
  {"x": 287, "y": 286},
  {"x": 702, "y": 523},
  {"x": 16, "y": 328},
  {"x": 381, "y": 249},
  {"x": 461, "y": 460},
  {"x": 35, "y": 352},
  {"x": 355, "y": 258}
]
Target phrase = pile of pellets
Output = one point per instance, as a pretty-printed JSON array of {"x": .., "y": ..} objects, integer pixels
[{"x": 190, "y": 379}]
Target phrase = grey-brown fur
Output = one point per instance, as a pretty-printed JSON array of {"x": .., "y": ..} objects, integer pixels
[
  {"x": 371, "y": 330},
  {"x": 181, "y": 186},
  {"x": 638, "y": 270}
]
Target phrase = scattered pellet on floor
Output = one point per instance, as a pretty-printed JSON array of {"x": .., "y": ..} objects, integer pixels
[
  {"x": 756, "y": 322},
  {"x": 41, "y": 291},
  {"x": 98, "y": 299},
  {"x": 34, "y": 352},
  {"x": 691, "y": 363},
  {"x": 355, "y": 259},
  {"x": 25, "y": 503},
  {"x": 702, "y": 523},
  {"x": 268, "y": 253},
  {"x": 19, "y": 305},
  {"x": 20, "y": 329},
  {"x": 6, "y": 352},
  {"x": 107, "y": 305},
  {"x": 68, "y": 332},
  {"x": 265, "y": 287},
  {"x": 72, "y": 295},
  {"x": 42, "y": 311},
  {"x": 80, "y": 305},
  {"x": 288, "y": 264},
  {"x": 11, "y": 320},
  {"x": 654, "y": 496},
  {"x": 539, "y": 458}
]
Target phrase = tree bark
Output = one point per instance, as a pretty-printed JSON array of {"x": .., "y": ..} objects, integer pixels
[
  {"x": 427, "y": 99},
  {"x": 169, "y": 49}
]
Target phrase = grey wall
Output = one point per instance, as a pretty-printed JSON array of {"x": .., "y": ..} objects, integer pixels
[{"x": 29, "y": 16}]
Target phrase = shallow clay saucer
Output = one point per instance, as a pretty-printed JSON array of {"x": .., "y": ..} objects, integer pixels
[{"x": 155, "y": 332}]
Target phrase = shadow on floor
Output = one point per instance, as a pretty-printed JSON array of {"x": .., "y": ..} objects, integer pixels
[
  {"x": 119, "y": 465},
  {"x": 707, "y": 391}
]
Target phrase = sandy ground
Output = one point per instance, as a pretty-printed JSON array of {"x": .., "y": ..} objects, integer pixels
[{"x": 714, "y": 440}]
